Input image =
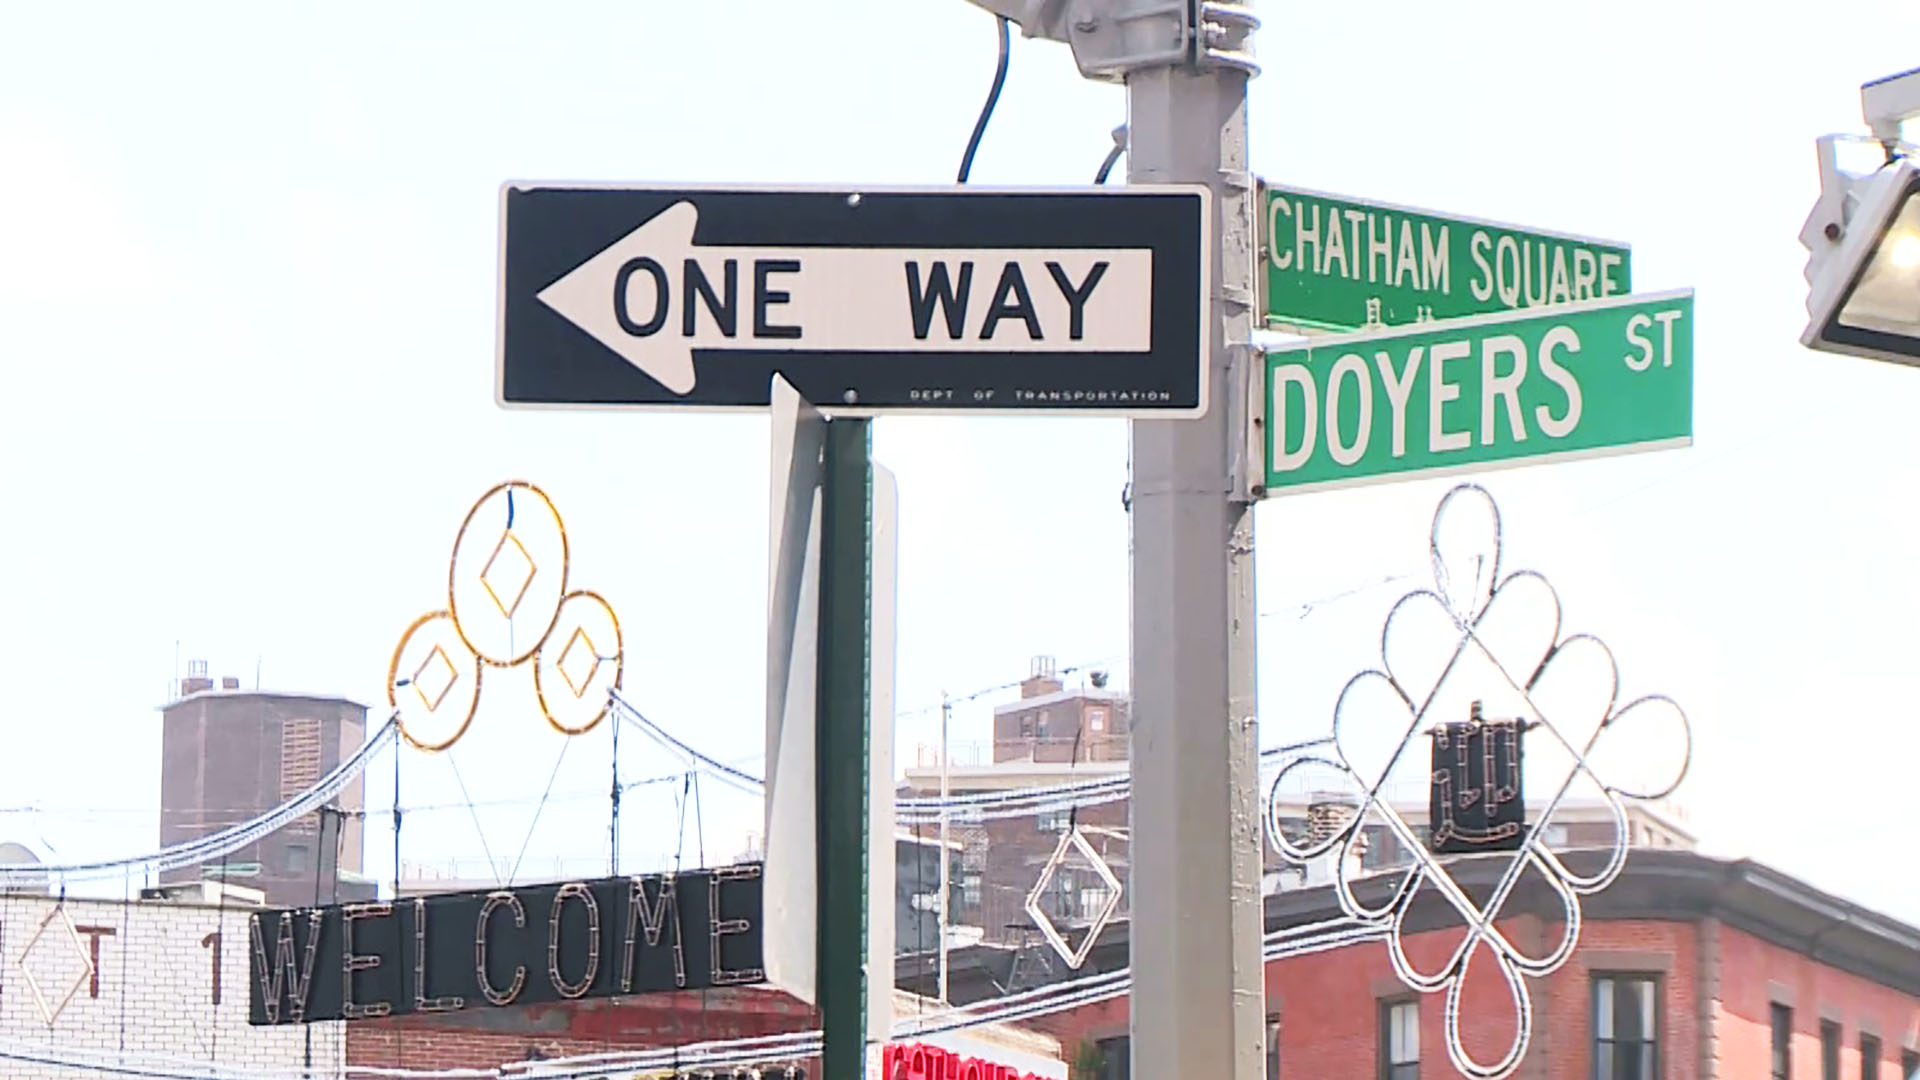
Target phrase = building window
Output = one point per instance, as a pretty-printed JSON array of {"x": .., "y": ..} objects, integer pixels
[
  {"x": 970, "y": 892},
  {"x": 1116, "y": 1058},
  {"x": 1399, "y": 1040},
  {"x": 1097, "y": 719},
  {"x": 1869, "y": 1057},
  {"x": 1064, "y": 895},
  {"x": 296, "y": 858},
  {"x": 1829, "y": 1050},
  {"x": 1381, "y": 849},
  {"x": 1626, "y": 1027},
  {"x": 1054, "y": 821},
  {"x": 1273, "y": 1047},
  {"x": 1026, "y": 726},
  {"x": 1782, "y": 1018},
  {"x": 1909, "y": 1065}
]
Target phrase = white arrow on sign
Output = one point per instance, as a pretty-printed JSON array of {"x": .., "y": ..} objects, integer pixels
[{"x": 655, "y": 297}]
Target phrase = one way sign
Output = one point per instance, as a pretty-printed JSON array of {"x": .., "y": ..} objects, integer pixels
[{"x": 960, "y": 299}]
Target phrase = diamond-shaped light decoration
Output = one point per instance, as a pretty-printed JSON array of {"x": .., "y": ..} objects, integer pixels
[
  {"x": 433, "y": 680},
  {"x": 509, "y": 570},
  {"x": 1076, "y": 840},
  {"x": 579, "y": 653},
  {"x": 54, "y": 959}
]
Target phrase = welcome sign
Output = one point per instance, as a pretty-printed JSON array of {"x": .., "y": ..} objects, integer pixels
[{"x": 503, "y": 947}]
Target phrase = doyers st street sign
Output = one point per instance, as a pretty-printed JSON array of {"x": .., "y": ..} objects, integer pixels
[
  {"x": 1335, "y": 263},
  {"x": 866, "y": 301},
  {"x": 1603, "y": 377}
]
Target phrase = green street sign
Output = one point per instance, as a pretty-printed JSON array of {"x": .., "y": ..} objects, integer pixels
[
  {"x": 1603, "y": 377},
  {"x": 1334, "y": 263}
]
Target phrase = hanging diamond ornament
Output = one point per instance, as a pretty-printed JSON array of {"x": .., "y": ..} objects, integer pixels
[{"x": 1073, "y": 840}]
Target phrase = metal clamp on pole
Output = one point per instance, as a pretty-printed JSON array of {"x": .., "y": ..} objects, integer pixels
[{"x": 1111, "y": 38}]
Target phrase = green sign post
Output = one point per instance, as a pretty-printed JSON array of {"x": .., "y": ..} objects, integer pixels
[
  {"x": 1334, "y": 263},
  {"x": 1602, "y": 377}
]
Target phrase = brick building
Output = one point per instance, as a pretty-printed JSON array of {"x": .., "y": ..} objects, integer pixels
[
  {"x": 486, "y": 1039},
  {"x": 1688, "y": 967},
  {"x": 1052, "y": 734},
  {"x": 228, "y": 755}
]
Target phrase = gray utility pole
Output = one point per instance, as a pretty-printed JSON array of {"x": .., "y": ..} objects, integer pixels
[
  {"x": 1199, "y": 983},
  {"x": 1198, "y": 1005}
]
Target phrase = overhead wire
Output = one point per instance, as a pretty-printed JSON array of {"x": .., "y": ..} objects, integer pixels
[
  {"x": 214, "y": 845},
  {"x": 978, "y": 806}
]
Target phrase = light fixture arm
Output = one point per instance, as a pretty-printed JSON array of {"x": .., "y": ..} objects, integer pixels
[{"x": 1890, "y": 102}]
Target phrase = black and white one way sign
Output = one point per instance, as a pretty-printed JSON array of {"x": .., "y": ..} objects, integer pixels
[{"x": 951, "y": 299}]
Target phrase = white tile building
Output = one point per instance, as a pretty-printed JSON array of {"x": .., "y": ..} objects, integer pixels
[{"x": 154, "y": 983}]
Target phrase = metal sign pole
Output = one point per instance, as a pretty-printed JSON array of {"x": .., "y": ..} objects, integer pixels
[
  {"x": 844, "y": 729},
  {"x": 1198, "y": 990}
]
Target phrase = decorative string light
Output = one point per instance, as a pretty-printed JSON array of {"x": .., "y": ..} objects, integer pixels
[
  {"x": 486, "y": 608},
  {"x": 1471, "y": 597},
  {"x": 573, "y": 891}
]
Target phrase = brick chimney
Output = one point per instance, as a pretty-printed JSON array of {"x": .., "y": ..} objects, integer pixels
[
  {"x": 1042, "y": 679},
  {"x": 1327, "y": 815}
]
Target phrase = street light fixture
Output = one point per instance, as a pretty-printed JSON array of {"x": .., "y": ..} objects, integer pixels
[{"x": 1863, "y": 238}]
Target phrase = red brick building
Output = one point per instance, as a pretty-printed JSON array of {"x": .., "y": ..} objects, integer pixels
[
  {"x": 1688, "y": 967},
  {"x": 486, "y": 1038}
]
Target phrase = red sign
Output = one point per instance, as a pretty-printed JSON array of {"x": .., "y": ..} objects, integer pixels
[{"x": 916, "y": 1061}]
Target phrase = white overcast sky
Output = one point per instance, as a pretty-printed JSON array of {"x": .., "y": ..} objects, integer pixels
[{"x": 247, "y": 289}]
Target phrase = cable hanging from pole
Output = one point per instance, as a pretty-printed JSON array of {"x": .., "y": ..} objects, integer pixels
[
  {"x": 613, "y": 827},
  {"x": 1113, "y": 155},
  {"x": 986, "y": 110}
]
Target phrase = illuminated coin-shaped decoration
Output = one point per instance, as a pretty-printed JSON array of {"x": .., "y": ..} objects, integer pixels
[
  {"x": 433, "y": 682},
  {"x": 579, "y": 667},
  {"x": 508, "y": 573}
]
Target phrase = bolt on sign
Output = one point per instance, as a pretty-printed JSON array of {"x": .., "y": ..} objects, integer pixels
[
  {"x": 1605, "y": 377},
  {"x": 1333, "y": 263},
  {"x": 496, "y": 948}
]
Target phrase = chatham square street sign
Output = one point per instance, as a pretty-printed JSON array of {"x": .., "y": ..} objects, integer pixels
[
  {"x": 1087, "y": 300},
  {"x": 521, "y": 945}
]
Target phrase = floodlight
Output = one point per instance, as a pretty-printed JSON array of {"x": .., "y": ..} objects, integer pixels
[
  {"x": 1863, "y": 238},
  {"x": 1864, "y": 295}
]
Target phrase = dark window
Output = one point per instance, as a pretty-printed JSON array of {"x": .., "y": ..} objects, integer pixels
[
  {"x": 1382, "y": 850},
  {"x": 1273, "y": 1047},
  {"x": 1909, "y": 1065},
  {"x": 1399, "y": 1040},
  {"x": 1869, "y": 1057},
  {"x": 1829, "y": 1050},
  {"x": 1782, "y": 1018},
  {"x": 1116, "y": 1057},
  {"x": 1626, "y": 1027}
]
